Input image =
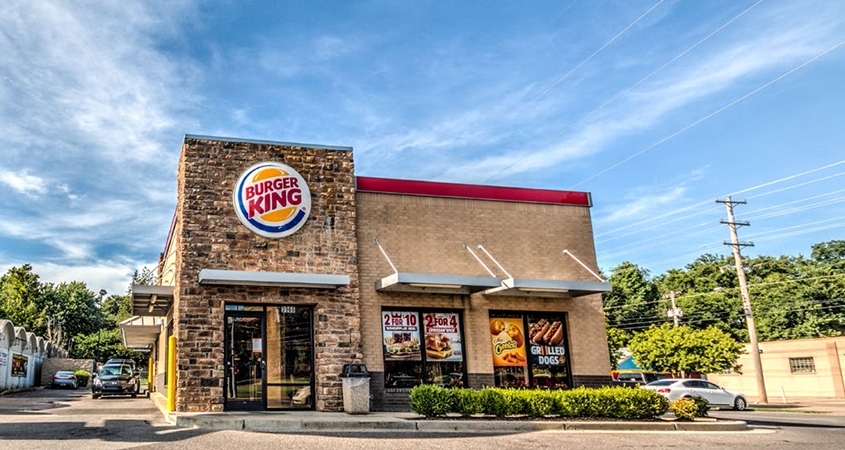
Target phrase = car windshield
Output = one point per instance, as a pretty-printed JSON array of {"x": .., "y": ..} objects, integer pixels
[
  {"x": 115, "y": 370},
  {"x": 652, "y": 377},
  {"x": 661, "y": 383},
  {"x": 64, "y": 373}
]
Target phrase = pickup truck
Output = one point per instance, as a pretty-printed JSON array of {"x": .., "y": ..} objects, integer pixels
[{"x": 634, "y": 378}]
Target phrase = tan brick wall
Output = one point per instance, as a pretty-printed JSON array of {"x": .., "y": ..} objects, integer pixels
[
  {"x": 425, "y": 235},
  {"x": 208, "y": 234},
  {"x": 827, "y": 382},
  {"x": 52, "y": 365}
]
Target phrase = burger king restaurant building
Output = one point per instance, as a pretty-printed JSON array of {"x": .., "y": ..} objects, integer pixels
[{"x": 282, "y": 266}]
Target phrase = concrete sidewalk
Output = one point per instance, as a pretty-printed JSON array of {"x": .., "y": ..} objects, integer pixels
[
  {"x": 825, "y": 405},
  {"x": 312, "y": 421}
]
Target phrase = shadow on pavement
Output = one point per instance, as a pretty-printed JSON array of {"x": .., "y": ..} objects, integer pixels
[{"x": 110, "y": 431}]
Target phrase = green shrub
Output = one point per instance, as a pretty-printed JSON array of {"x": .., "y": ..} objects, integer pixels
[
  {"x": 702, "y": 406},
  {"x": 467, "y": 402},
  {"x": 646, "y": 404},
  {"x": 493, "y": 402},
  {"x": 431, "y": 401},
  {"x": 619, "y": 403},
  {"x": 82, "y": 377},
  {"x": 540, "y": 403},
  {"x": 684, "y": 408},
  {"x": 518, "y": 401}
]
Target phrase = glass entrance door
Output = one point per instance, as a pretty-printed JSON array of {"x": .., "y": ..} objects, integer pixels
[
  {"x": 269, "y": 357},
  {"x": 245, "y": 364},
  {"x": 290, "y": 359}
]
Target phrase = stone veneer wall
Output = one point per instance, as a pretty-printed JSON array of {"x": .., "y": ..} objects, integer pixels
[{"x": 209, "y": 235}]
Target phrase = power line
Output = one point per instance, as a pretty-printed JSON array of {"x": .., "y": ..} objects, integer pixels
[
  {"x": 798, "y": 185},
  {"x": 698, "y": 212},
  {"x": 708, "y": 116},
  {"x": 768, "y": 313},
  {"x": 614, "y": 252},
  {"x": 631, "y": 87},
  {"x": 585, "y": 61}
]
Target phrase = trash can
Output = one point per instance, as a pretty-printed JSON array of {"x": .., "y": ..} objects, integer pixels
[{"x": 356, "y": 388}]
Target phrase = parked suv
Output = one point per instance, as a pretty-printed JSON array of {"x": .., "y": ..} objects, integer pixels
[
  {"x": 115, "y": 379},
  {"x": 119, "y": 361}
]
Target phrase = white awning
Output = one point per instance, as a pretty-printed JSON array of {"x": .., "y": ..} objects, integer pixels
[
  {"x": 526, "y": 287},
  {"x": 435, "y": 283},
  {"x": 140, "y": 332},
  {"x": 280, "y": 279}
]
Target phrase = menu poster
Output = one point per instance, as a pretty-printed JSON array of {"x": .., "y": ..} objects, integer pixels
[
  {"x": 508, "y": 341},
  {"x": 401, "y": 333},
  {"x": 547, "y": 340},
  {"x": 19, "y": 363},
  {"x": 442, "y": 337}
]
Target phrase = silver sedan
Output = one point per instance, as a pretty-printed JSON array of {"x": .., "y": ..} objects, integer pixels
[{"x": 688, "y": 387}]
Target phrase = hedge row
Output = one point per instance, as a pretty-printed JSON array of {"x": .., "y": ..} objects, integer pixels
[{"x": 607, "y": 402}]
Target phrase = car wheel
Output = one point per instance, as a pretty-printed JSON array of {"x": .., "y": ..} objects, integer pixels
[
  {"x": 134, "y": 395},
  {"x": 95, "y": 396},
  {"x": 740, "y": 404}
]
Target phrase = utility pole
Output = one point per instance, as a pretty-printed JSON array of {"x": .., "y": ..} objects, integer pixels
[
  {"x": 743, "y": 289},
  {"x": 675, "y": 312}
]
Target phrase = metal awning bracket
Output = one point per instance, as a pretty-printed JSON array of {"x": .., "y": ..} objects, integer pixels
[
  {"x": 479, "y": 260},
  {"x": 375, "y": 241},
  {"x": 567, "y": 252}
]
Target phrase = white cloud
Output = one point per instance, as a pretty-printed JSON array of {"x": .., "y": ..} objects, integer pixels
[
  {"x": 23, "y": 182},
  {"x": 643, "y": 204}
]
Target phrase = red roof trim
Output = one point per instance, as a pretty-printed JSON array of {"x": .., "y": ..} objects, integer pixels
[{"x": 471, "y": 191}]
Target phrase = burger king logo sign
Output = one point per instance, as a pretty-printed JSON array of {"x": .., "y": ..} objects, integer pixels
[{"x": 272, "y": 200}]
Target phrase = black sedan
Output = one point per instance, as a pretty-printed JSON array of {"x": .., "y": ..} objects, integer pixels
[{"x": 115, "y": 380}]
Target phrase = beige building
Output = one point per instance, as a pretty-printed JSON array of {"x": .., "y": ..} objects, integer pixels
[
  {"x": 282, "y": 266},
  {"x": 795, "y": 369}
]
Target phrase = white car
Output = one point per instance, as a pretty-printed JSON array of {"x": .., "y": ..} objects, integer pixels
[{"x": 674, "y": 389}]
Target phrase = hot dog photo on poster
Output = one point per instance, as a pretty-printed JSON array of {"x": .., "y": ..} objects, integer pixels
[
  {"x": 547, "y": 339},
  {"x": 442, "y": 337}
]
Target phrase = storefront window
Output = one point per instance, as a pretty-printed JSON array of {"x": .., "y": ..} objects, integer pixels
[
  {"x": 530, "y": 350},
  {"x": 422, "y": 347}
]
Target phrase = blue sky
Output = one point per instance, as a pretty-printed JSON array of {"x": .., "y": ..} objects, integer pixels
[{"x": 655, "y": 107}]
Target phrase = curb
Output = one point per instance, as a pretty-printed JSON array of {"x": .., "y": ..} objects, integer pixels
[
  {"x": 217, "y": 422},
  {"x": 338, "y": 422}
]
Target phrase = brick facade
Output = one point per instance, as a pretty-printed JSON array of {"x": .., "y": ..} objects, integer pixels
[
  {"x": 425, "y": 235},
  {"x": 421, "y": 234},
  {"x": 208, "y": 234}
]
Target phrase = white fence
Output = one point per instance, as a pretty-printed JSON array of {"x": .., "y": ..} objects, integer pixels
[{"x": 21, "y": 355}]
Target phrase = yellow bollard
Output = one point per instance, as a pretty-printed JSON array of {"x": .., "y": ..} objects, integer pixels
[
  {"x": 171, "y": 374},
  {"x": 151, "y": 373}
]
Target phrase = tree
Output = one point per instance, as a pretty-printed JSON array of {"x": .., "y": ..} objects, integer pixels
[
  {"x": 616, "y": 340},
  {"x": 632, "y": 301},
  {"x": 683, "y": 349},
  {"x": 830, "y": 253},
  {"x": 20, "y": 295}
]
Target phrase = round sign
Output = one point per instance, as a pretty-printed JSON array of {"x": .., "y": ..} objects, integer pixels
[{"x": 272, "y": 199}]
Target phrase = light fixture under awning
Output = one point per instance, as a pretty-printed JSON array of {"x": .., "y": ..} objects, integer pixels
[
  {"x": 153, "y": 301},
  {"x": 527, "y": 287},
  {"x": 140, "y": 333},
  {"x": 435, "y": 284},
  {"x": 279, "y": 279}
]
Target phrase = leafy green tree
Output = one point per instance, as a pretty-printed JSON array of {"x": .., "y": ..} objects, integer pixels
[
  {"x": 707, "y": 273},
  {"x": 616, "y": 340},
  {"x": 720, "y": 309},
  {"x": 20, "y": 295},
  {"x": 830, "y": 253},
  {"x": 632, "y": 301},
  {"x": 69, "y": 309},
  {"x": 683, "y": 349}
]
